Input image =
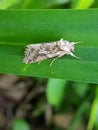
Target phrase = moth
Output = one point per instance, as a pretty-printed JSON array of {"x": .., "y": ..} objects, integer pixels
[{"x": 42, "y": 51}]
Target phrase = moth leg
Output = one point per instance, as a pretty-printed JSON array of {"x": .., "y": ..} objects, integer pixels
[
  {"x": 53, "y": 61},
  {"x": 56, "y": 59},
  {"x": 39, "y": 62},
  {"x": 74, "y": 56}
]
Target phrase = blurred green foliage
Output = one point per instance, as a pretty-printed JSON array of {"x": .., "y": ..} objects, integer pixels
[
  {"x": 80, "y": 88},
  {"x": 44, "y": 4},
  {"x": 4, "y": 4},
  {"x": 39, "y": 4},
  {"x": 93, "y": 120},
  {"x": 20, "y": 124},
  {"x": 82, "y": 4},
  {"x": 80, "y": 93},
  {"x": 54, "y": 91}
]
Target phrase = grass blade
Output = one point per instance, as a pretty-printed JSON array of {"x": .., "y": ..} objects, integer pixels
[
  {"x": 22, "y": 27},
  {"x": 54, "y": 91}
]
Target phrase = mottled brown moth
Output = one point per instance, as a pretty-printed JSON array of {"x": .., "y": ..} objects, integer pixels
[{"x": 42, "y": 51}]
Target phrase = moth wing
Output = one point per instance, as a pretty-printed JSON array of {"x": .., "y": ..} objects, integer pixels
[
  {"x": 34, "y": 53},
  {"x": 29, "y": 53}
]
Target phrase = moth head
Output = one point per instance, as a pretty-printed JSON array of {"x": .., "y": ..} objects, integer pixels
[
  {"x": 67, "y": 46},
  {"x": 72, "y": 49}
]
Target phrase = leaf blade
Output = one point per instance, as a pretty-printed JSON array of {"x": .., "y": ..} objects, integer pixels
[{"x": 22, "y": 27}]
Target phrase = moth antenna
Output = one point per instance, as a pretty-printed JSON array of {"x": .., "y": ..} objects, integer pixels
[
  {"x": 61, "y": 39},
  {"x": 77, "y": 42},
  {"x": 74, "y": 56}
]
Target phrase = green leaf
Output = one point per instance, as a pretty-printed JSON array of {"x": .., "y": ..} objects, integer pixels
[
  {"x": 54, "y": 91},
  {"x": 80, "y": 88},
  {"x": 20, "y": 124},
  {"x": 4, "y": 4},
  {"x": 78, "y": 116},
  {"x": 93, "y": 120},
  {"x": 82, "y": 4},
  {"x": 21, "y": 27},
  {"x": 95, "y": 4},
  {"x": 38, "y": 4}
]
